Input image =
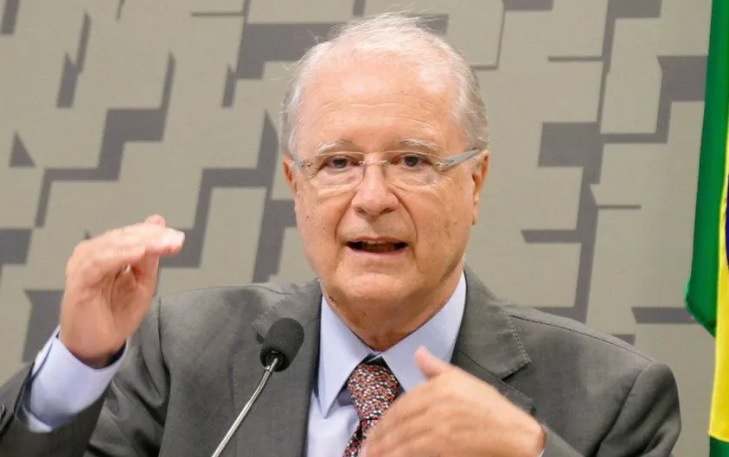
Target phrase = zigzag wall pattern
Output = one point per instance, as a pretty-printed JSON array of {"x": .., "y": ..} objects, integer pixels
[{"x": 112, "y": 112}]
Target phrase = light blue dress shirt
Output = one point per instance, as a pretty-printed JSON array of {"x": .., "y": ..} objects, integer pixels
[
  {"x": 332, "y": 417},
  {"x": 61, "y": 386}
]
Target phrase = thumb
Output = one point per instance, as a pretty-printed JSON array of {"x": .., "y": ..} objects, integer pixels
[{"x": 430, "y": 365}]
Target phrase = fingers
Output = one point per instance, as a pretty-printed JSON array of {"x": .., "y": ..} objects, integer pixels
[
  {"x": 430, "y": 365},
  {"x": 453, "y": 413},
  {"x": 408, "y": 430},
  {"x": 428, "y": 419},
  {"x": 140, "y": 246},
  {"x": 421, "y": 445},
  {"x": 401, "y": 429},
  {"x": 110, "y": 280}
]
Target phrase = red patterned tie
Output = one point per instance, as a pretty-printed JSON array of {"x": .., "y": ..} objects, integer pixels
[{"x": 373, "y": 389}]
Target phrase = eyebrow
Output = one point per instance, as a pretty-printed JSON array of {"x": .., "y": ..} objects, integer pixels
[
  {"x": 406, "y": 143},
  {"x": 419, "y": 144},
  {"x": 331, "y": 146}
]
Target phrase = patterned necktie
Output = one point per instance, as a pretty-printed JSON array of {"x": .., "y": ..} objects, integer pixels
[{"x": 373, "y": 388}]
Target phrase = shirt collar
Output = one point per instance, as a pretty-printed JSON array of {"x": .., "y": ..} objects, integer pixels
[{"x": 340, "y": 350}]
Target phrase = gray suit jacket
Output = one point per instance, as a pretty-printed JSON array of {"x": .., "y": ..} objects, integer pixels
[{"x": 194, "y": 362}]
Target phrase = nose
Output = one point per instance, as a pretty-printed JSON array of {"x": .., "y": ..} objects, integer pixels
[{"x": 373, "y": 197}]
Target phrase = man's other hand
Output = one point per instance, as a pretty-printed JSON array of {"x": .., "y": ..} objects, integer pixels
[{"x": 454, "y": 414}]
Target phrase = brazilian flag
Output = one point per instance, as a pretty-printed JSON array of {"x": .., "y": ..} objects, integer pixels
[{"x": 707, "y": 293}]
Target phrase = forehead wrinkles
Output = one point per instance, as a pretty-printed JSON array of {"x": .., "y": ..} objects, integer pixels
[
  {"x": 433, "y": 79},
  {"x": 380, "y": 85},
  {"x": 342, "y": 90},
  {"x": 371, "y": 131},
  {"x": 417, "y": 144}
]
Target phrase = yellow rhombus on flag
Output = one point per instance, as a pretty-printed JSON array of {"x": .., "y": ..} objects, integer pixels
[{"x": 707, "y": 293}]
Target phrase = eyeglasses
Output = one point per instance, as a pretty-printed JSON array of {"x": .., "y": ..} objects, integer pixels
[{"x": 401, "y": 168}]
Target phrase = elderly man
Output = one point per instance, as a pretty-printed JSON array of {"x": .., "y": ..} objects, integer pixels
[{"x": 406, "y": 353}]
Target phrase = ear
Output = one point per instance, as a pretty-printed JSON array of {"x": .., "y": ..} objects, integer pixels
[
  {"x": 479, "y": 178},
  {"x": 288, "y": 170}
]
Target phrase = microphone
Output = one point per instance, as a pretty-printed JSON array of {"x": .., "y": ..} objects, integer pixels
[
  {"x": 282, "y": 343},
  {"x": 280, "y": 346}
]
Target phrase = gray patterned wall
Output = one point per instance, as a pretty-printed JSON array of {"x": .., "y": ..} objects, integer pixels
[{"x": 110, "y": 111}]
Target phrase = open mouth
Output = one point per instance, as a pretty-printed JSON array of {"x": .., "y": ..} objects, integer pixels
[{"x": 377, "y": 247}]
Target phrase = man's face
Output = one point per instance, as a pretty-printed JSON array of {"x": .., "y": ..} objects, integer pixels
[{"x": 377, "y": 248}]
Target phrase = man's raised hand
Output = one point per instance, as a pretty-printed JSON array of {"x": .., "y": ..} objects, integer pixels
[{"x": 110, "y": 280}]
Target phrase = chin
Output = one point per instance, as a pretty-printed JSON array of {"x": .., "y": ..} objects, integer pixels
[{"x": 371, "y": 287}]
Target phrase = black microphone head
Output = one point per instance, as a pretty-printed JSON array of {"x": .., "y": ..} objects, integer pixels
[{"x": 283, "y": 340}]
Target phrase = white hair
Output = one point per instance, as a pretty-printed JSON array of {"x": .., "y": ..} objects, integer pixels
[{"x": 408, "y": 38}]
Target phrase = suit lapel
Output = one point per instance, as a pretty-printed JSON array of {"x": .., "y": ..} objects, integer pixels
[
  {"x": 277, "y": 424},
  {"x": 487, "y": 345}
]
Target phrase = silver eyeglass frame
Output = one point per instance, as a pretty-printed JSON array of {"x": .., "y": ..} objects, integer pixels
[{"x": 445, "y": 163}]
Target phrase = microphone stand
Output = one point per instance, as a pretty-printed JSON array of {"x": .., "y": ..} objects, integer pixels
[{"x": 270, "y": 368}]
